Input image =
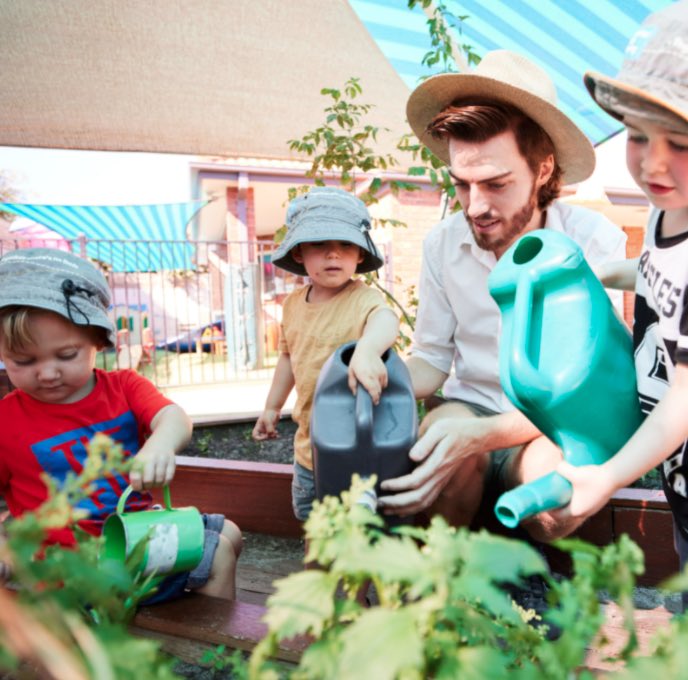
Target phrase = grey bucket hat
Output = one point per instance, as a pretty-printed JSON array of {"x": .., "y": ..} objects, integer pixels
[
  {"x": 327, "y": 214},
  {"x": 47, "y": 278},
  {"x": 653, "y": 79}
]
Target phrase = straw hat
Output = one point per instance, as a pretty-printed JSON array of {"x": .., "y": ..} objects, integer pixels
[
  {"x": 653, "y": 79},
  {"x": 510, "y": 78}
]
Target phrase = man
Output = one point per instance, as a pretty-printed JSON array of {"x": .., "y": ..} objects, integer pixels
[{"x": 509, "y": 149}]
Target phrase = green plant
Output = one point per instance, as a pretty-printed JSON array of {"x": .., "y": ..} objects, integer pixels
[
  {"x": 70, "y": 614},
  {"x": 204, "y": 441},
  {"x": 444, "y": 50},
  {"x": 442, "y": 609},
  {"x": 225, "y": 664},
  {"x": 342, "y": 145}
]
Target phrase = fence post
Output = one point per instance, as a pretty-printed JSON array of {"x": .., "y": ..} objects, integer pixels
[{"x": 81, "y": 240}]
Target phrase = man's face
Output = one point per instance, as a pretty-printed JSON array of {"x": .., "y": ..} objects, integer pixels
[{"x": 497, "y": 189}]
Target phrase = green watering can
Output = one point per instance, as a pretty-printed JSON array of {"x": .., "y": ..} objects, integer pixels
[
  {"x": 565, "y": 361},
  {"x": 174, "y": 536}
]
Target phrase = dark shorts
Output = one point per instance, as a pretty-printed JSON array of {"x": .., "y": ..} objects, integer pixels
[
  {"x": 175, "y": 585},
  {"x": 302, "y": 491},
  {"x": 496, "y": 479}
]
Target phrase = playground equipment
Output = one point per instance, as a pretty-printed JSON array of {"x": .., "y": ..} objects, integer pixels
[
  {"x": 351, "y": 435},
  {"x": 566, "y": 361}
]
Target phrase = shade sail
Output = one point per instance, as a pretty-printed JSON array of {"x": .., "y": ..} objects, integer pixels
[
  {"x": 241, "y": 77},
  {"x": 566, "y": 38},
  {"x": 208, "y": 77},
  {"x": 127, "y": 237}
]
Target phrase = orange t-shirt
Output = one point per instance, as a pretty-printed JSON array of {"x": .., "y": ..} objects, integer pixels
[{"x": 311, "y": 332}]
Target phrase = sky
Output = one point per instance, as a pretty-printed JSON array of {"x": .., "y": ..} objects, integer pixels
[{"x": 65, "y": 177}]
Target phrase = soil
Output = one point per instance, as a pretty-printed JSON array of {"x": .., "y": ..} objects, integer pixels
[{"x": 233, "y": 441}]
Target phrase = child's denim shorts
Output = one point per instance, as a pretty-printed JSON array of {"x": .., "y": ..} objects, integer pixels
[
  {"x": 176, "y": 585},
  {"x": 302, "y": 491}
]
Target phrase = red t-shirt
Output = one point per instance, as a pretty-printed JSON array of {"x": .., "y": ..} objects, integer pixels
[{"x": 37, "y": 438}]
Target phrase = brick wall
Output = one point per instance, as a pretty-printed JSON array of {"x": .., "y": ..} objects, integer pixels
[
  {"x": 234, "y": 231},
  {"x": 420, "y": 210}
]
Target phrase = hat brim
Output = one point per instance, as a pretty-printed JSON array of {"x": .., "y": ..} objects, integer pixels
[
  {"x": 574, "y": 152},
  {"x": 592, "y": 79},
  {"x": 284, "y": 258},
  {"x": 96, "y": 317}
]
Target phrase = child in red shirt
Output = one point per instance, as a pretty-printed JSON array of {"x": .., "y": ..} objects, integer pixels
[{"x": 53, "y": 321}]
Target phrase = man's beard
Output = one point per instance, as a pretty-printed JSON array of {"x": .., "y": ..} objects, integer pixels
[{"x": 512, "y": 229}]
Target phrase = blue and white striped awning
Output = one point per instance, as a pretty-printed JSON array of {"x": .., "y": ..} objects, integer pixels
[
  {"x": 565, "y": 37},
  {"x": 129, "y": 238}
]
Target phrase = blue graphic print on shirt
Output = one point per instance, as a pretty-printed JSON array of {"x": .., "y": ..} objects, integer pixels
[{"x": 65, "y": 453}]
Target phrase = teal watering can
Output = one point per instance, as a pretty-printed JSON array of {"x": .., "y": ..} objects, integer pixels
[
  {"x": 349, "y": 434},
  {"x": 565, "y": 361}
]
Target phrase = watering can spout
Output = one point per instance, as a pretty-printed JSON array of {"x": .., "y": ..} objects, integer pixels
[{"x": 545, "y": 493}]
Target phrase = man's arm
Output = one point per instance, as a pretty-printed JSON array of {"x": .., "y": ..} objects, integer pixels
[
  {"x": 619, "y": 275},
  {"x": 425, "y": 378},
  {"x": 155, "y": 462},
  {"x": 445, "y": 444}
]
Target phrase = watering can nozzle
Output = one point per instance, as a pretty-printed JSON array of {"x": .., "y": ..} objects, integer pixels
[{"x": 545, "y": 493}]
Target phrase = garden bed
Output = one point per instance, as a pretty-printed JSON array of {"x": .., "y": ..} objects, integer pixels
[{"x": 233, "y": 441}]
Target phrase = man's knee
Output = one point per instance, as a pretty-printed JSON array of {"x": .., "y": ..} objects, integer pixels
[
  {"x": 460, "y": 499},
  {"x": 537, "y": 459}
]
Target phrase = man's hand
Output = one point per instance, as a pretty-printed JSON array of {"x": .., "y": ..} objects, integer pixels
[
  {"x": 266, "y": 425},
  {"x": 153, "y": 467},
  {"x": 366, "y": 367},
  {"x": 440, "y": 451}
]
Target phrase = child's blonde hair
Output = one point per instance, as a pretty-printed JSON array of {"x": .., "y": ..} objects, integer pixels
[{"x": 15, "y": 329}]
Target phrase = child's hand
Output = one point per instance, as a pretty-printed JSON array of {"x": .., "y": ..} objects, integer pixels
[
  {"x": 266, "y": 425},
  {"x": 152, "y": 467},
  {"x": 592, "y": 488},
  {"x": 366, "y": 367}
]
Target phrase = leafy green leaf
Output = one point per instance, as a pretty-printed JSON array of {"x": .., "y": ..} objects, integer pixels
[
  {"x": 367, "y": 642},
  {"x": 302, "y": 603}
]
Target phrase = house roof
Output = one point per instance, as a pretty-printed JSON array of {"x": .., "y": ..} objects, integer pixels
[{"x": 211, "y": 77}]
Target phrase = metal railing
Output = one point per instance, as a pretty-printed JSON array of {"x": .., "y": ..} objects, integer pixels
[{"x": 215, "y": 319}]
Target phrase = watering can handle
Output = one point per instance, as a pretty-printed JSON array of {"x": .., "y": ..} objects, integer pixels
[
  {"x": 520, "y": 339},
  {"x": 364, "y": 417},
  {"x": 121, "y": 503}
]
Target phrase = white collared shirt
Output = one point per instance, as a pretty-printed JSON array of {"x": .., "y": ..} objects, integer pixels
[{"x": 458, "y": 324}]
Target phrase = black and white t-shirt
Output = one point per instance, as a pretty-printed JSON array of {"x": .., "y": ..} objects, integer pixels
[{"x": 660, "y": 340}]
